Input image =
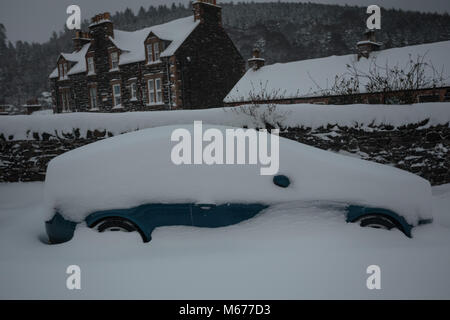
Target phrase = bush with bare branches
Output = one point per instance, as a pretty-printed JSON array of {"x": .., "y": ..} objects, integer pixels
[{"x": 262, "y": 107}]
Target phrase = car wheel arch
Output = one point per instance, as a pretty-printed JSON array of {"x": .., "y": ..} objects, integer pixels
[
  {"x": 356, "y": 213},
  {"x": 92, "y": 222}
]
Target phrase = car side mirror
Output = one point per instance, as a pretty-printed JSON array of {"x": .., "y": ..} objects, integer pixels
[{"x": 281, "y": 181}]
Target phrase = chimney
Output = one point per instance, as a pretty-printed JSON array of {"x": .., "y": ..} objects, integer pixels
[
  {"x": 207, "y": 11},
  {"x": 102, "y": 26},
  {"x": 81, "y": 38},
  {"x": 368, "y": 45},
  {"x": 256, "y": 62}
]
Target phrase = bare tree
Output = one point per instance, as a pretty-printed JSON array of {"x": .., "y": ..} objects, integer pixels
[
  {"x": 401, "y": 82},
  {"x": 263, "y": 107}
]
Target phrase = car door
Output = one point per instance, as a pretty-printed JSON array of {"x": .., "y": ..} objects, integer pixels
[{"x": 214, "y": 216}]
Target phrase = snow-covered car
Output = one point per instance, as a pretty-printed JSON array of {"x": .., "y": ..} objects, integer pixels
[{"x": 130, "y": 183}]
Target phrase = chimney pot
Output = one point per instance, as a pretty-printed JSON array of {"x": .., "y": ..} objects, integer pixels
[
  {"x": 207, "y": 11},
  {"x": 368, "y": 45},
  {"x": 256, "y": 61},
  {"x": 103, "y": 19}
]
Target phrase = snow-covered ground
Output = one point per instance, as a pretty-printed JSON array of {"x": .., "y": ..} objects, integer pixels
[{"x": 292, "y": 251}]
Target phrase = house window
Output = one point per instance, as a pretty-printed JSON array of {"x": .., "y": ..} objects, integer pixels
[
  {"x": 151, "y": 91},
  {"x": 65, "y": 69},
  {"x": 65, "y": 100},
  {"x": 114, "y": 60},
  {"x": 61, "y": 71},
  {"x": 93, "y": 97},
  {"x": 429, "y": 98},
  {"x": 155, "y": 91},
  {"x": 62, "y": 67},
  {"x": 158, "y": 90},
  {"x": 156, "y": 50},
  {"x": 133, "y": 91},
  {"x": 91, "y": 66},
  {"x": 150, "y": 52},
  {"x": 117, "y": 98}
]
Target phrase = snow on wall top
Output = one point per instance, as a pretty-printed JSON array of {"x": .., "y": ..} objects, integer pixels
[
  {"x": 308, "y": 78},
  {"x": 22, "y": 127},
  {"x": 132, "y": 43}
]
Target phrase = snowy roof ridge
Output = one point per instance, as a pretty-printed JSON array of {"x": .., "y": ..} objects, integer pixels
[
  {"x": 132, "y": 42},
  {"x": 313, "y": 77}
]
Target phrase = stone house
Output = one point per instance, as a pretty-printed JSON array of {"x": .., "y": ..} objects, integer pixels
[{"x": 187, "y": 63}]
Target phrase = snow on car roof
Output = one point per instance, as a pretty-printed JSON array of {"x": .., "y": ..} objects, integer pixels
[
  {"x": 313, "y": 77},
  {"x": 136, "y": 168},
  {"x": 132, "y": 43}
]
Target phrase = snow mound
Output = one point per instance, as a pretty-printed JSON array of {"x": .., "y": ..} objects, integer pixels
[{"x": 136, "y": 168}]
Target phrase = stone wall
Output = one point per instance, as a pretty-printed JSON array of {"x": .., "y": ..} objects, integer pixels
[{"x": 423, "y": 151}]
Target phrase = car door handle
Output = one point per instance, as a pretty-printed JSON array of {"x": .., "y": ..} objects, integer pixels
[{"x": 206, "y": 206}]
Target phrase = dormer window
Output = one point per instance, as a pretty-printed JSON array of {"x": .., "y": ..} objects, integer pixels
[
  {"x": 62, "y": 68},
  {"x": 156, "y": 50},
  {"x": 150, "y": 52},
  {"x": 153, "y": 50},
  {"x": 114, "y": 58}
]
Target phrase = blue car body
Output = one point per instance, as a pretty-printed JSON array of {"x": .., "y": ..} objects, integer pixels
[{"x": 146, "y": 218}]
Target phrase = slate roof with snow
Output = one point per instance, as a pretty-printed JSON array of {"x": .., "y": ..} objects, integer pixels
[
  {"x": 78, "y": 57},
  {"x": 132, "y": 43},
  {"x": 310, "y": 78}
]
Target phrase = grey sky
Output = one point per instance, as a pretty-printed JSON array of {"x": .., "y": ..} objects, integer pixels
[{"x": 35, "y": 20}]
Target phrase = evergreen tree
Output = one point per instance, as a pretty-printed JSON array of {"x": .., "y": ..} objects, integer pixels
[{"x": 287, "y": 31}]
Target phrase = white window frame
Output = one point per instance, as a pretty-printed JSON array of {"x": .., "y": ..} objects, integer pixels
[
  {"x": 61, "y": 71},
  {"x": 155, "y": 92},
  {"x": 158, "y": 96},
  {"x": 116, "y": 97},
  {"x": 65, "y": 69},
  {"x": 150, "y": 52},
  {"x": 114, "y": 60},
  {"x": 151, "y": 91},
  {"x": 93, "y": 99},
  {"x": 91, "y": 65},
  {"x": 133, "y": 91},
  {"x": 156, "y": 50},
  {"x": 65, "y": 100}
]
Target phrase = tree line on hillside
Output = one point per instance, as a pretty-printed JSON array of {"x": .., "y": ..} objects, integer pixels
[{"x": 283, "y": 31}]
